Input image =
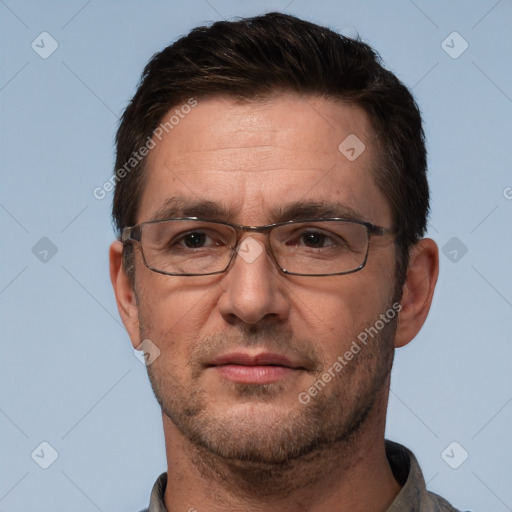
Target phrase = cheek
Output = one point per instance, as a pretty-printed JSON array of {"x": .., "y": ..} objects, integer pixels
[
  {"x": 174, "y": 311},
  {"x": 334, "y": 314}
]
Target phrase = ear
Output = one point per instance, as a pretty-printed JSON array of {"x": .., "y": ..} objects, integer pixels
[
  {"x": 418, "y": 290},
  {"x": 125, "y": 294}
]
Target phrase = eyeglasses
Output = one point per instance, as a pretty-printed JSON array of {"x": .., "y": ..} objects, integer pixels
[{"x": 191, "y": 246}]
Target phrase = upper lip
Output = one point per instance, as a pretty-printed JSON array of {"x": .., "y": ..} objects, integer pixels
[{"x": 261, "y": 359}]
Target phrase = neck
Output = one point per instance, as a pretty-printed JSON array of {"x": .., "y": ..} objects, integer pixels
[{"x": 352, "y": 476}]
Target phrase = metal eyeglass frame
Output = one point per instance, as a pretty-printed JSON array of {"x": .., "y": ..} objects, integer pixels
[{"x": 134, "y": 234}]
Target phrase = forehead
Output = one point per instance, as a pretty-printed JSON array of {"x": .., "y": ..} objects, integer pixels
[{"x": 252, "y": 159}]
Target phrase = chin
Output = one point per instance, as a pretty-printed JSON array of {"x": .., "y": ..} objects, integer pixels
[{"x": 266, "y": 434}]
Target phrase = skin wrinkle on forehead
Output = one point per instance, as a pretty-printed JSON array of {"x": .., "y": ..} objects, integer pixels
[{"x": 251, "y": 117}]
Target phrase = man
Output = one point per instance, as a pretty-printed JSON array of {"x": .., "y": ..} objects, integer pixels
[{"x": 271, "y": 200}]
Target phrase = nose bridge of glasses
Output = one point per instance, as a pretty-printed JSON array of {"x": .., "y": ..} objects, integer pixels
[
  {"x": 251, "y": 242},
  {"x": 246, "y": 232}
]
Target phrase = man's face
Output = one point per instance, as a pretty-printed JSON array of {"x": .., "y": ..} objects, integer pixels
[{"x": 237, "y": 349}]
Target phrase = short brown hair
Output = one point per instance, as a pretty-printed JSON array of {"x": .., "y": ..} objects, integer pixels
[{"x": 254, "y": 58}]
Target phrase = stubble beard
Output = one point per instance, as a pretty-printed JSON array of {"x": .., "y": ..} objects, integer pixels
[{"x": 262, "y": 444}]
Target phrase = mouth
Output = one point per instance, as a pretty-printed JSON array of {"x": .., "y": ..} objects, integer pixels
[{"x": 262, "y": 368}]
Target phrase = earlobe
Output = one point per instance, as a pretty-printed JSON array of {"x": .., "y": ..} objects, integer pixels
[
  {"x": 126, "y": 297},
  {"x": 418, "y": 290}
]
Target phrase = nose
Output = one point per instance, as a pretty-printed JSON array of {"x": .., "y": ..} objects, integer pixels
[{"x": 253, "y": 289}]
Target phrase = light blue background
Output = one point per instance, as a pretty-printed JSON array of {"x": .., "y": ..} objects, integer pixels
[{"x": 68, "y": 374}]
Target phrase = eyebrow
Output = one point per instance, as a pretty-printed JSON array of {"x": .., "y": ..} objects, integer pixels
[
  {"x": 181, "y": 207},
  {"x": 315, "y": 210},
  {"x": 175, "y": 207}
]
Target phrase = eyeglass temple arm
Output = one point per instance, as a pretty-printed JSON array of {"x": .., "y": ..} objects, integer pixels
[{"x": 131, "y": 233}]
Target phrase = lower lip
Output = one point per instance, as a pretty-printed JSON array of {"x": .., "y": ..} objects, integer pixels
[{"x": 254, "y": 374}]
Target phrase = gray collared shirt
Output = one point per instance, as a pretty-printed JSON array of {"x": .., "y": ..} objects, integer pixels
[{"x": 413, "y": 496}]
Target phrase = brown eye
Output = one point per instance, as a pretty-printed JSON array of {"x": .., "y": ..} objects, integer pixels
[
  {"x": 195, "y": 239},
  {"x": 315, "y": 239}
]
